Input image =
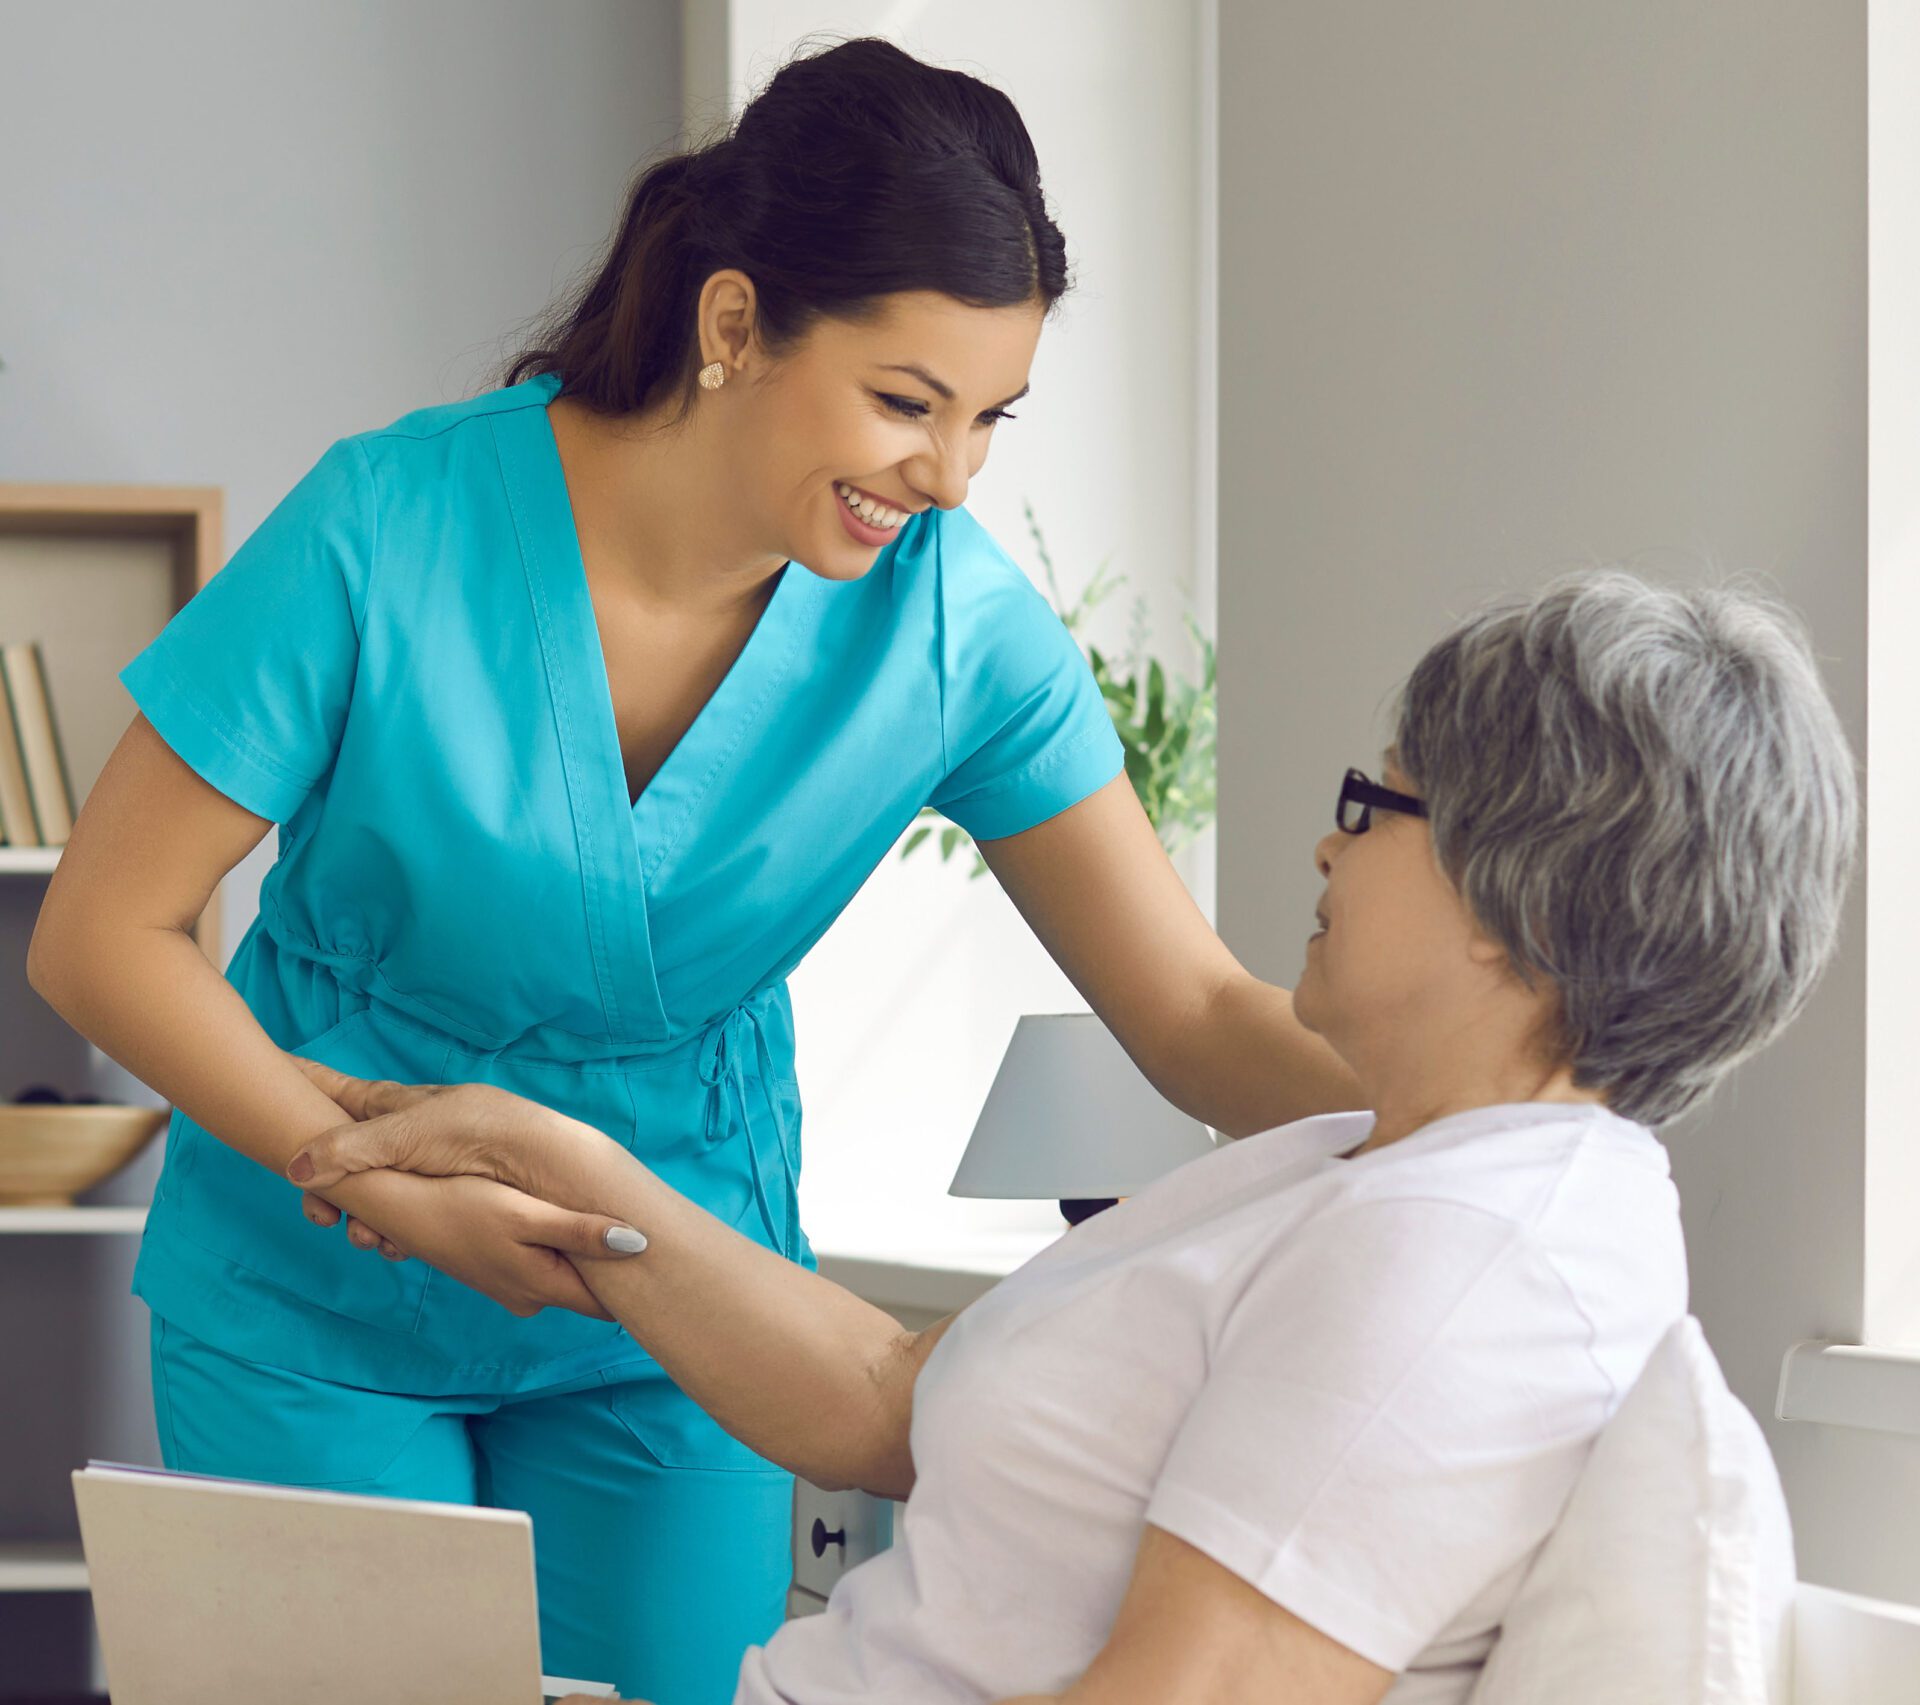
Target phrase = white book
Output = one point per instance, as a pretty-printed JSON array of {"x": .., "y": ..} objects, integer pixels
[
  {"x": 18, "y": 826},
  {"x": 39, "y": 741}
]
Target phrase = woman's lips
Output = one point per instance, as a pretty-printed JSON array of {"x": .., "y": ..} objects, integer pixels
[{"x": 863, "y": 531}]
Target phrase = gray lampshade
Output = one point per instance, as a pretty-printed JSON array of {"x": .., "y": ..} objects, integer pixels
[{"x": 1070, "y": 1116}]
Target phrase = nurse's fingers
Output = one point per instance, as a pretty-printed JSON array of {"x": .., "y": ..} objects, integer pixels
[
  {"x": 326, "y": 1159},
  {"x": 364, "y": 1098},
  {"x": 324, "y": 1213}
]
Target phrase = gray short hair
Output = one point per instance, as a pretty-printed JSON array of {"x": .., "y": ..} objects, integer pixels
[{"x": 1645, "y": 796}]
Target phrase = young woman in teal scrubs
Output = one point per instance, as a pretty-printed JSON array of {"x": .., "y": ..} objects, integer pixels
[{"x": 583, "y": 708}]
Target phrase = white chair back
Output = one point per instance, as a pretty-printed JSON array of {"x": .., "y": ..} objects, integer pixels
[{"x": 1669, "y": 1579}]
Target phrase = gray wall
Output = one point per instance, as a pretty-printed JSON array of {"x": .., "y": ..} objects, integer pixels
[
  {"x": 230, "y": 233},
  {"x": 1507, "y": 288}
]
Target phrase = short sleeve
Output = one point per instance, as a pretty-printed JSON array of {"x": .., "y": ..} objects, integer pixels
[
  {"x": 1025, "y": 730},
  {"x": 249, "y": 683},
  {"x": 1394, "y": 1413}
]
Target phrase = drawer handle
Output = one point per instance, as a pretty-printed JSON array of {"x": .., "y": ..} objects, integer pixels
[{"x": 822, "y": 1538}]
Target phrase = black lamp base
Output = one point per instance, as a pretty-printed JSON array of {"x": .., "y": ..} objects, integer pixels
[{"x": 1080, "y": 1208}]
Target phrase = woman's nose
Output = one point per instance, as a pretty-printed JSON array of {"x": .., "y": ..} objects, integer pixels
[
  {"x": 942, "y": 477},
  {"x": 1326, "y": 850}
]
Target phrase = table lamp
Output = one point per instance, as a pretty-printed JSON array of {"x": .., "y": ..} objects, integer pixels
[{"x": 1070, "y": 1117}]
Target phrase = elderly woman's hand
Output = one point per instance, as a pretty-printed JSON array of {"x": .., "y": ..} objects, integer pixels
[
  {"x": 507, "y": 1245},
  {"x": 454, "y": 1130}
]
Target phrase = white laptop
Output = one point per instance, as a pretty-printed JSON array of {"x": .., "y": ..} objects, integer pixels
[{"x": 231, "y": 1592}]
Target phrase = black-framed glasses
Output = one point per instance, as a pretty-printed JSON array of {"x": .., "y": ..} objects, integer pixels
[{"x": 1359, "y": 796}]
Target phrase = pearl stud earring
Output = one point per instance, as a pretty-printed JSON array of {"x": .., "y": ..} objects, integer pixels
[{"x": 712, "y": 376}]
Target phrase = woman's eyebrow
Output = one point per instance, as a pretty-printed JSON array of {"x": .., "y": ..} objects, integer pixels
[{"x": 938, "y": 388}]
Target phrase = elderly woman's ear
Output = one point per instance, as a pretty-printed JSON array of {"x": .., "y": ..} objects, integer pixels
[{"x": 1482, "y": 949}]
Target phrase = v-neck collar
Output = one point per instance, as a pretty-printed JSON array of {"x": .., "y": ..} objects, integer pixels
[
  {"x": 659, "y": 815},
  {"x": 668, "y": 803},
  {"x": 625, "y": 842}
]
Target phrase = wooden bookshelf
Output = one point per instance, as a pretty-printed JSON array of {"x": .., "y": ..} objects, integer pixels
[{"x": 94, "y": 572}]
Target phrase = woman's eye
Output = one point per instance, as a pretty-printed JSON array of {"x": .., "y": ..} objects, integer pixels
[{"x": 913, "y": 409}]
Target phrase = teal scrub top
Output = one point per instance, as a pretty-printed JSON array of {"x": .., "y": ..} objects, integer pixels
[{"x": 401, "y": 668}]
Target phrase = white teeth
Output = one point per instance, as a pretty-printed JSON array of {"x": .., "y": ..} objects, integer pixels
[{"x": 874, "y": 514}]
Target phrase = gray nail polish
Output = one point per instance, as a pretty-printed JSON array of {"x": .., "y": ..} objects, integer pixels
[{"x": 624, "y": 1240}]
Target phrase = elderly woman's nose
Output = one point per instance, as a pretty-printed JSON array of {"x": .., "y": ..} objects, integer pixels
[{"x": 1327, "y": 850}]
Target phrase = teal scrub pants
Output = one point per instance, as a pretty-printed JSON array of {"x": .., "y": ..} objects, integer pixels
[{"x": 661, "y": 1548}]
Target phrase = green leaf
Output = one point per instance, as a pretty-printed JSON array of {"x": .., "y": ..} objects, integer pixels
[{"x": 1166, "y": 724}]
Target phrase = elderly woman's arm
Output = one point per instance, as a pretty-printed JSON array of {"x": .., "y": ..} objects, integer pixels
[
  {"x": 1190, "y": 1632},
  {"x": 791, "y": 1364},
  {"x": 794, "y": 1366}
]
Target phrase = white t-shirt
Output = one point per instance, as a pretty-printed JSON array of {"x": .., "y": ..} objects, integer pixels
[{"x": 1363, "y": 1385}]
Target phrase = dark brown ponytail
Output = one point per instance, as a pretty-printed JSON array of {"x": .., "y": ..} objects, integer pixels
[{"x": 857, "y": 172}]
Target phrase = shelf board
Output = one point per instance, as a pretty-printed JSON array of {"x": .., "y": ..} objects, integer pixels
[
  {"x": 72, "y": 1219},
  {"x": 28, "y": 861},
  {"x": 42, "y": 1566}
]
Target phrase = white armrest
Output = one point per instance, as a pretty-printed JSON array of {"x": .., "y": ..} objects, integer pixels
[{"x": 1849, "y": 1650}]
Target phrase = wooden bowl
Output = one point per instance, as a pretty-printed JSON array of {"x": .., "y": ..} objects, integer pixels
[{"x": 50, "y": 1152}]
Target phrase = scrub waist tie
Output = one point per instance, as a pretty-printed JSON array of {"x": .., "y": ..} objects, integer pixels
[{"x": 724, "y": 1052}]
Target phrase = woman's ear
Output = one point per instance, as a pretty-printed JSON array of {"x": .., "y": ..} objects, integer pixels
[{"x": 728, "y": 315}]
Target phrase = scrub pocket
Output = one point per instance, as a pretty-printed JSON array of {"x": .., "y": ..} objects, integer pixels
[
  {"x": 219, "y": 1414},
  {"x": 677, "y": 1433},
  {"x": 238, "y": 1210}
]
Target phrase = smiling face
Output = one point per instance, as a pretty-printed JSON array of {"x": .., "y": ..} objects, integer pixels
[
  {"x": 1398, "y": 948},
  {"x": 867, "y": 422}
]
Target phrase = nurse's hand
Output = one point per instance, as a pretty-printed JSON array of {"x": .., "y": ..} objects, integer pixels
[
  {"x": 451, "y": 1130},
  {"x": 476, "y": 1209}
]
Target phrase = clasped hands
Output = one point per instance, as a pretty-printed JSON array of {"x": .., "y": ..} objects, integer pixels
[{"x": 489, "y": 1187}]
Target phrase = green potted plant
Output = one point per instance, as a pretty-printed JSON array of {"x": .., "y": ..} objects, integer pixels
[{"x": 1165, "y": 722}]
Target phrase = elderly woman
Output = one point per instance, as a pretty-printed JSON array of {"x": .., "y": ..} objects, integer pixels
[{"x": 1291, "y": 1423}]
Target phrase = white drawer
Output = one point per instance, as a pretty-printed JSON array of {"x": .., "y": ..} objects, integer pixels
[{"x": 833, "y": 1532}]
